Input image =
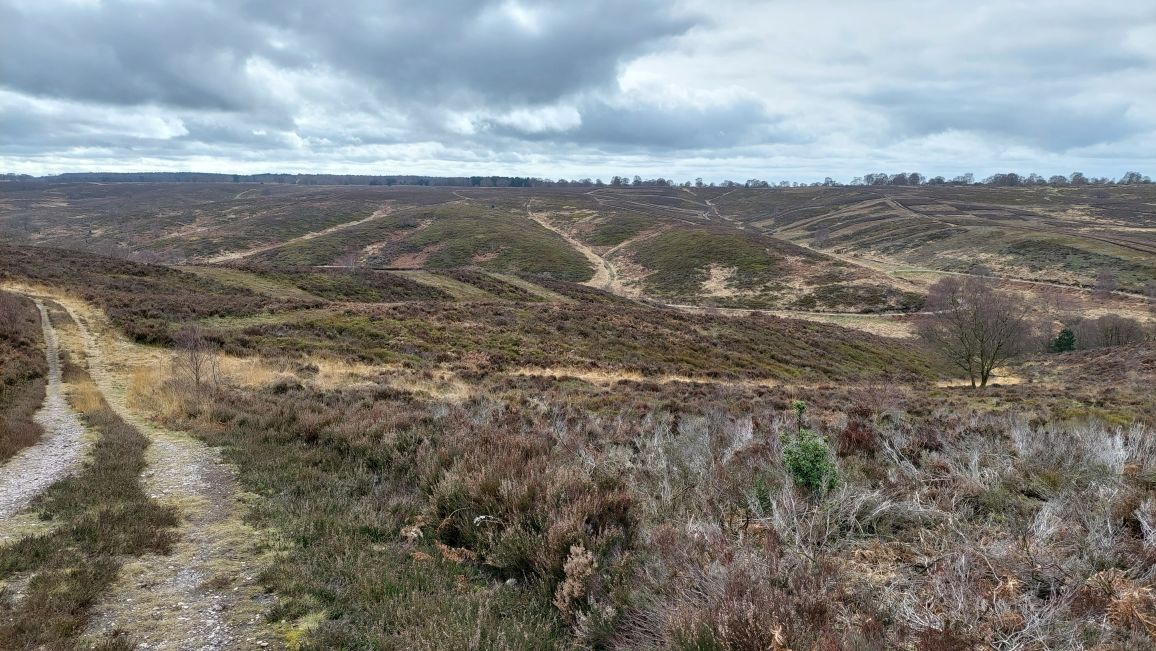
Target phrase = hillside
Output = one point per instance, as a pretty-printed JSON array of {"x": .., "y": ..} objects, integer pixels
[{"x": 370, "y": 417}]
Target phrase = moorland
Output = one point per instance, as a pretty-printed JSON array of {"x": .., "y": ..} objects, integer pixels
[{"x": 338, "y": 416}]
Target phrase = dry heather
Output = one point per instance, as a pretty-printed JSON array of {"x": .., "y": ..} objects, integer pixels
[
  {"x": 563, "y": 514},
  {"x": 22, "y": 373}
]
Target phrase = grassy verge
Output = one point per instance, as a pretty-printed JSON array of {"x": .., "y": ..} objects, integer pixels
[
  {"x": 103, "y": 516},
  {"x": 21, "y": 374}
]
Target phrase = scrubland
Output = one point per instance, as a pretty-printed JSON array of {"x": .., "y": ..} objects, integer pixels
[
  {"x": 449, "y": 441},
  {"x": 554, "y": 512}
]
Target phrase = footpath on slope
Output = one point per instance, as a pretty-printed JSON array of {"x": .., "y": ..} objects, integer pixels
[
  {"x": 239, "y": 255},
  {"x": 604, "y": 274},
  {"x": 205, "y": 594},
  {"x": 58, "y": 451}
]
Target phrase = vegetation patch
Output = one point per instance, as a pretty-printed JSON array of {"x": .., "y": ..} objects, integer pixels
[
  {"x": 358, "y": 285},
  {"x": 1041, "y": 255},
  {"x": 22, "y": 373},
  {"x": 679, "y": 261},
  {"x": 466, "y": 235},
  {"x": 143, "y": 300},
  {"x": 491, "y": 285}
]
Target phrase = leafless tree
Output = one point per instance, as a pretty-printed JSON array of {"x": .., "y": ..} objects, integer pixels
[
  {"x": 196, "y": 362},
  {"x": 347, "y": 259},
  {"x": 1109, "y": 330},
  {"x": 1106, "y": 283},
  {"x": 822, "y": 236},
  {"x": 975, "y": 326}
]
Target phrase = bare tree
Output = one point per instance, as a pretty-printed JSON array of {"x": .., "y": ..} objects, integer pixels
[
  {"x": 975, "y": 326},
  {"x": 1108, "y": 330},
  {"x": 1106, "y": 283},
  {"x": 348, "y": 259},
  {"x": 822, "y": 236},
  {"x": 196, "y": 360}
]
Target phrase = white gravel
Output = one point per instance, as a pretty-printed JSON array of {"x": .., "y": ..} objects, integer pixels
[{"x": 59, "y": 449}]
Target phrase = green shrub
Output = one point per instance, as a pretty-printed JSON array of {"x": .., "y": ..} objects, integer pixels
[
  {"x": 809, "y": 461},
  {"x": 800, "y": 408},
  {"x": 1064, "y": 342}
]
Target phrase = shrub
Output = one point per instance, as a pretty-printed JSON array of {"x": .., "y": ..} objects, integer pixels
[
  {"x": 800, "y": 408},
  {"x": 809, "y": 461},
  {"x": 1064, "y": 342}
]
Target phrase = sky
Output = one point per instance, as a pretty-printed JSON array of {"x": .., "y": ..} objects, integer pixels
[{"x": 793, "y": 90}]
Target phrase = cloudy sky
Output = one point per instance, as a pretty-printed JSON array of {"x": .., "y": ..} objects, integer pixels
[{"x": 772, "y": 89}]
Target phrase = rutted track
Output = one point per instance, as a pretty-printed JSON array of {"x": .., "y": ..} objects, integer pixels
[
  {"x": 205, "y": 594},
  {"x": 605, "y": 275},
  {"x": 57, "y": 452}
]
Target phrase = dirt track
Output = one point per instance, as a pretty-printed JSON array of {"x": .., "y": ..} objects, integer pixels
[
  {"x": 204, "y": 595},
  {"x": 60, "y": 448},
  {"x": 238, "y": 255},
  {"x": 604, "y": 275}
]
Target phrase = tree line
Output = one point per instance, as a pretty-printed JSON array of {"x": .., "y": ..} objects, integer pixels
[{"x": 1003, "y": 179}]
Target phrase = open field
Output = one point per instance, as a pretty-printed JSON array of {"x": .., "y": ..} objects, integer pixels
[{"x": 567, "y": 418}]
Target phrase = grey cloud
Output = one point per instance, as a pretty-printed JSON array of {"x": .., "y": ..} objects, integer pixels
[
  {"x": 1049, "y": 121},
  {"x": 462, "y": 51},
  {"x": 119, "y": 52},
  {"x": 193, "y": 54},
  {"x": 506, "y": 84},
  {"x": 642, "y": 125}
]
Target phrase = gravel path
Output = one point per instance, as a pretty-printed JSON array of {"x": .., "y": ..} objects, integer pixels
[
  {"x": 205, "y": 595},
  {"x": 57, "y": 452}
]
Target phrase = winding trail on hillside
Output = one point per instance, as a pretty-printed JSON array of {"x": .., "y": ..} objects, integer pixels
[
  {"x": 604, "y": 273},
  {"x": 384, "y": 211},
  {"x": 59, "y": 449},
  {"x": 205, "y": 594},
  {"x": 894, "y": 268},
  {"x": 606, "y": 278}
]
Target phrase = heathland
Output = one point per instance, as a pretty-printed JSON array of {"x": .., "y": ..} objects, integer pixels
[{"x": 579, "y": 417}]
